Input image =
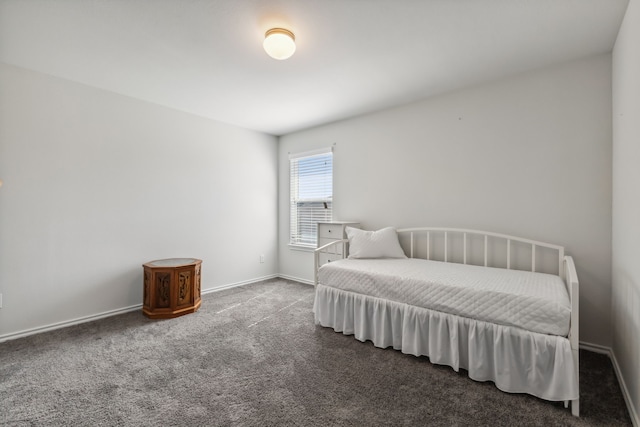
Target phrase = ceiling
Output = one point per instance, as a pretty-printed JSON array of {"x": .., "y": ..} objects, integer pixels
[{"x": 353, "y": 56}]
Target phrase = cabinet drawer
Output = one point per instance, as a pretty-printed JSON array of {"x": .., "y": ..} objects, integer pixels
[
  {"x": 337, "y": 248},
  {"x": 333, "y": 231},
  {"x": 325, "y": 258}
]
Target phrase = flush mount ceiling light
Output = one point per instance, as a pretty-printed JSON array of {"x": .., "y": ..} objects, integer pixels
[{"x": 279, "y": 43}]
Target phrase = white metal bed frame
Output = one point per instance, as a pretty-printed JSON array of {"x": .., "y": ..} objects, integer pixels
[{"x": 566, "y": 268}]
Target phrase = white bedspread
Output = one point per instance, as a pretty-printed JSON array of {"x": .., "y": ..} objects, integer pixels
[{"x": 535, "y": 302}]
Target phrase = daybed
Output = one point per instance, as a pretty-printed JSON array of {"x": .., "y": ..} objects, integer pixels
[{"x": 461, "y": 298}]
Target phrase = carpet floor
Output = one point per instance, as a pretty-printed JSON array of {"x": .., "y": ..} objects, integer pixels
[{"x": 252, "y": 356}]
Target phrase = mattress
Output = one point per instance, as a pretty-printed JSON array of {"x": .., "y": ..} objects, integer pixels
[{"x": 536, "y": 302}]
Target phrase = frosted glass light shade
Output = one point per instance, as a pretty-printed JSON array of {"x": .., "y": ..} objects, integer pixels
[{"x": 279, "y": 43}]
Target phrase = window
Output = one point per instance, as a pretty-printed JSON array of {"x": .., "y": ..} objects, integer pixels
[{"x": 311, "y": 194}]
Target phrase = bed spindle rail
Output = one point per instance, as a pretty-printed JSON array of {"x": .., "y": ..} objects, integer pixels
[{"x": 447, "y": 233}]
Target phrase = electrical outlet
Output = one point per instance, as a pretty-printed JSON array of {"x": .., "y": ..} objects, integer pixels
[{"x": 261, "y": 259}]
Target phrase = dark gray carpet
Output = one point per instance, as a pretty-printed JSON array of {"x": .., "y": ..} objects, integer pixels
[{"x": 252, "y": 356}]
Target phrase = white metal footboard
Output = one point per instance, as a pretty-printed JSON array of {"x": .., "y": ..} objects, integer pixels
[{"x": 574, "y": 338}]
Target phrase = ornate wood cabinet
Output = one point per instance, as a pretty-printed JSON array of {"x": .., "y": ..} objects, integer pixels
[{"x": 171, "y": 287}]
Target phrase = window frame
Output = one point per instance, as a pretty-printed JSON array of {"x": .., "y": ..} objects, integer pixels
[{"x": 297, "y": 240}]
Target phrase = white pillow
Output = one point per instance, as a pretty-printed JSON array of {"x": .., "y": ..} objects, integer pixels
[{"x": 374, "y": 244}]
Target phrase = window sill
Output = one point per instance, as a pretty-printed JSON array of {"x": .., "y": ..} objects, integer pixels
[{"x": 303, "y": 248}]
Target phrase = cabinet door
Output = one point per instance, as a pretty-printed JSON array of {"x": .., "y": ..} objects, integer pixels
[
  {"x": 162, "y": 289},
  {"x": 184, "y": 287},
  {"x": 198, "y": 279},
  {"x": 146, "y": 293}
]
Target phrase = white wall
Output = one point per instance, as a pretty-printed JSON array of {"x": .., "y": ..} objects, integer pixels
[
  {"x": 626, "y": 205},
  {"x": 95, "y": 184},
  {"x": 529, "y": 156}
]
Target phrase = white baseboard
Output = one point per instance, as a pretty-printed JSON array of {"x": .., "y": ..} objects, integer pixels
[
  {"x": 596, "y": 348},
  {"x": 635, "y": 419},
  {"x": 67, "y": 323},
  {"x": 296, "y": 279},
  {"x": 616, "y": 368},
  {"x": 91, "y": 318},
  {"x": 236, "y": 284}
]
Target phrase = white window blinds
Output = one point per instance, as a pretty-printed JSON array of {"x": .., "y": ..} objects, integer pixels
[{"x": 311, "y": 194}]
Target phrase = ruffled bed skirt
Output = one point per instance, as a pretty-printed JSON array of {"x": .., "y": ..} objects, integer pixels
[{"x": 517, "y": 361}]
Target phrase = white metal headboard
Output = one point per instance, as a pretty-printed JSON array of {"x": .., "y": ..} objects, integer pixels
[{"x": 447, "y": 232}]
